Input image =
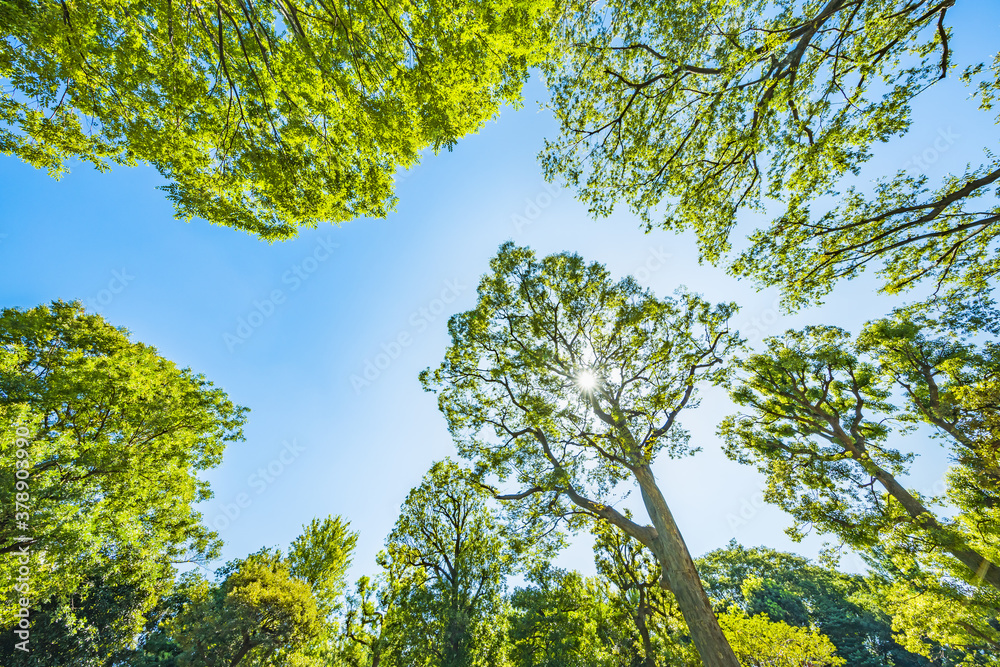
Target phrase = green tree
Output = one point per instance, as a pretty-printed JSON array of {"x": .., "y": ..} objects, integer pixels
[
  {"x": 951, "y": 384},
  {"x": 112, "y": 437},
  {"x": 95, "y": 625},
  {"x": 790, "y": 589},
  {"x": 817, "y": 429},
  {"x": 649, "y": 629},
  {"x": 155, "y": 646},
  {"x": 320, "y": 556},
  {"x": 267, "y": 609},
  {"x": 935, "y": 613},
  {"x": 367, "y": 623},
  {"x": 567, "y": 384},
  {"x": 261, "y": 116},
  {"x": 819, "y": 424},
  {"x": 760, "y": 642},
  {"x": 556, "y": 621},
  {"x": 454, "y": 555},
  {"x": 696, "y": 110},
  {"x": 258, "y": 611}
]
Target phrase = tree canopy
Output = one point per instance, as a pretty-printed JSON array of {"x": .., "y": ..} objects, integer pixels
[
  {"x": 789, "y": 589},
  {"x": 642, "y": 623},
  {"x": 114, "y": 436},
  {"x": 820, "y": 410},
  {"x": 259, "y": 610},
  {"x": 557, "y": 620},
  {"x": 760, "y": 642},
  {"x": 563, "y": 387},
  {"x": 262, "y": 116},
  {"x": 691, "y": 112},
  {"x": 567, "y": 383},
  {"x": 265, "y": 609},
  {"x": 817, "y": 428},
  {"x": 93, "y": 624},
  {"x": 454, "y": 556},
  {"x": 320, "y": 556}
]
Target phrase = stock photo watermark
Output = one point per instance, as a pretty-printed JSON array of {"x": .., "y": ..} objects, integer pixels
[
  {"x": 749, "y": 508},
  {"x": 757, "y": 327},
  {"x": 419, "y": 321},
  {"x": 119, "y": 281},
  {"x": 22, "y": 516},
  {"x": 258, "y": 482},
  {"x": 533, "y": 207},
  {"x": 945, "y": 139},
  {"x": 656, "y": 259},
  {"x": 264, "y": 309}
]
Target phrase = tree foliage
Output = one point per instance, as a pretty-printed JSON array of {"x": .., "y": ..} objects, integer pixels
[
  {"x": 320, "y": 556},
  {"x": 259, "y": 610},
  {"x": 556, "y": 621},
  {"x": 934, "y": 612},
  {"x": 760, "y": 642},
  {"x": 642, "y": 623},
  {"x": 454, "y": 557},
  {"x": 366, "y": 626},
  {"x": 819, "y": 425},
  {"x": 847, "y": 609},
  {"x": 266, "y": 610},
  {"x": 693, "y": 111},
  {"x": 115, "y": 435},
  {"x": 261, "y": 116},
  {"x": 94, "y": 625},
  {"x": 568, "y": 383}
]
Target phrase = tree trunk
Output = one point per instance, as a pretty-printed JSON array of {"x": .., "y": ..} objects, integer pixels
[
  {"x": 682, "y": 578},
  {"x": 242, "y": 652},
  {"x": 641, "y": 615},
  {"x": 982, "y": 569}
]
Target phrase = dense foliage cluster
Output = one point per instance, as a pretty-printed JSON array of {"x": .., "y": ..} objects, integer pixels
[
  {"x": 692, "y": 112},
  {"x": 262, "y": 116}
]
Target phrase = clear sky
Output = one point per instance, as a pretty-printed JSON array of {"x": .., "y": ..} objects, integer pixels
[{"x": 284, "y": 327}]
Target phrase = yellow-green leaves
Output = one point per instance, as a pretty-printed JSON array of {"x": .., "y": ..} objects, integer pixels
[
  {"x": 817, "y": 422},
  {"x": 693, "y": 111},
  {"x": 759, "y": 642},
  {"x": 262, "y": 116},
  {"x": 321, "y": 555},
  {"x": 259, "y": 611},
  {"x": 453, "y": 556},
  {"x": 510, "y": 389},
  {"x": 116, "y": 435}
]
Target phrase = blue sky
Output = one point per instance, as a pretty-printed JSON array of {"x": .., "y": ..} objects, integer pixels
[{"x": 323, "y": 308}]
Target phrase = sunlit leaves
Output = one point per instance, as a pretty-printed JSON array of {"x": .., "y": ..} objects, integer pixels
[
  {"x": 510, "y": 384},
  {"x": 818, "y": 422},
  {"x": 760, "y": 642},
  {"x": 116, "y": 435},
  {"x": 261, "y": 116},
  {"x": 693, "y": 111}
]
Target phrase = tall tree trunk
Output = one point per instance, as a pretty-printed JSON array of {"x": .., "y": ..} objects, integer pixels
[
  {"x": 982, "y": 569},
  {"x": 682, "y": 578}
]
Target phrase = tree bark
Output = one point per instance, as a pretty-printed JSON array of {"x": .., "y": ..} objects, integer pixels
[
  {"x": 682, "y": 578},
  {"x": 983, "y": 570},
  {"x": 641, "y": 614}
]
